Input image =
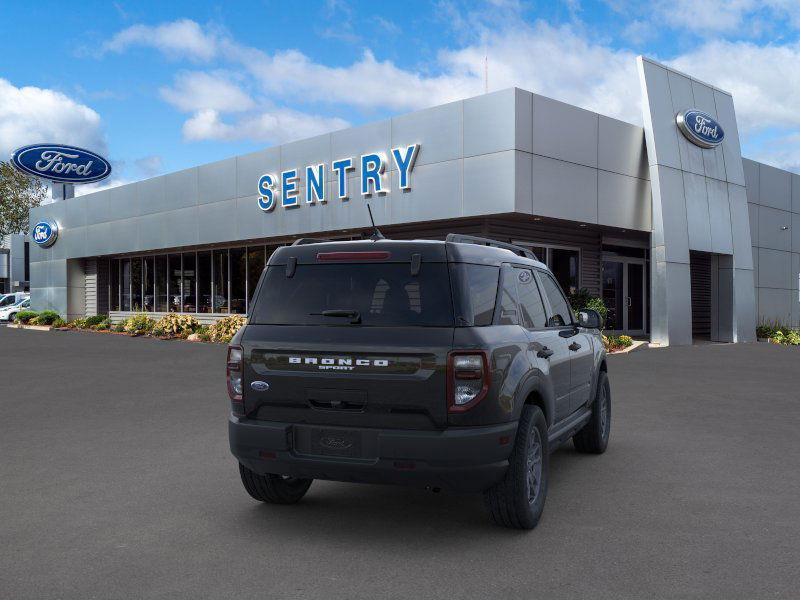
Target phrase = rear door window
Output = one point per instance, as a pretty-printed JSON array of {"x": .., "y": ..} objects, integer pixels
[
  {"x": 384, "y": 294},
  {"x": 560, "y": 311},
  {"x": 530, "y": 300},
  {"x": 507, "y": 300},
  {"x": 474, "y": 293}
]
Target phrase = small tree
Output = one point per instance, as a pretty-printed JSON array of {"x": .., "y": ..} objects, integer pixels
[{"x": 18, "y": 194}]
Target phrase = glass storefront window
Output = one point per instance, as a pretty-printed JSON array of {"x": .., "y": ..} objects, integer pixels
[
  {"x": 238, "y": 302},
  {"x": 189, "y": 281},
  {"x": 113, "y": 292},
  {"x": 174, "y": 283},
  {"x": 160, "y": 277},
  {"x": 126, "y": 284},
  {"x": 148, "y": 284},
  {"x": 564, "y": 265},
  {"x": 256, "y": 259},
  {"x": 220, "y": 282},
  {"x": 204, "y": 282},
  {"x": 136, "y": 284}
]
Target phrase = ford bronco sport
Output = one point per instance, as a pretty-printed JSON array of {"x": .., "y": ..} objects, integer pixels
[{"x": 455, "y": 364}]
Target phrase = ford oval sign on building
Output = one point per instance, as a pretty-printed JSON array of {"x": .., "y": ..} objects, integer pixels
[
  {"x": 700, "y": 128},
  {"x": 65, "y": 164},
  {"x": 45, "y": 233}
]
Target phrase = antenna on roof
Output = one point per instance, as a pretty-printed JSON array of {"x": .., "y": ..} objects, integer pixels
[{"x": 376, "y": 234}]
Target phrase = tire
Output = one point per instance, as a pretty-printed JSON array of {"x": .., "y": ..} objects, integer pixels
[
  {"x": 273, "y": 489},
  {"x": 593, "y": 437},
  {"x": 518, "y": 500}
]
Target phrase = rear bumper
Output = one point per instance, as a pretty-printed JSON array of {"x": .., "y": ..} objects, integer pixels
[{"x": 462, "y": 459}]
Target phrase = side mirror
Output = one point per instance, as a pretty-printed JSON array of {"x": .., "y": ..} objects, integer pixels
[{"x": 590, "y": 319}]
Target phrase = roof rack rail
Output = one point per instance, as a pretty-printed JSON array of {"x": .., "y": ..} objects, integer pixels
[
  {"x": 461, "y": 238},
  {"x": 304, "y": 241}
]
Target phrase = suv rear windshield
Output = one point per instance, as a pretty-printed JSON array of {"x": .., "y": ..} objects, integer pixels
[{"x": 383, "y": 294}]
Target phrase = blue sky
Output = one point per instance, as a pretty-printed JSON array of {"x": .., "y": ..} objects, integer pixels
[{"x": 159, "y": 86}]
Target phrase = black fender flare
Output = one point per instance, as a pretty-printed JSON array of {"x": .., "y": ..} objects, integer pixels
[{"x": 536, "y": 383}]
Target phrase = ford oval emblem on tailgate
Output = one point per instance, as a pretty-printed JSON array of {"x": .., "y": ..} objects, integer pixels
[
  {"x": 260, "y": 386},
  {"x": 335, "y": 443}
]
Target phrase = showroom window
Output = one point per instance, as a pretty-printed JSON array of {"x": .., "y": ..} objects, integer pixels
[
  {"x": 564, "y": 262},
  {"x": 211, "y": 281}
]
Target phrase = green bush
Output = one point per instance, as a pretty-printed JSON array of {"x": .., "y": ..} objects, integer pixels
[
  {"x": 617, "y": 342},
  {"x": 94, "y": 320},
  {"x": 224, "y": 329},
  {"x": 779, "y": 333},
  {"x": 175, "y": 324},
  {"x": 204, "y": 333},
  {"x": 25, "y": 316},
  {"x": 46, "y": 317},
  {"x": 59, "y": 322},
  {"x": 583, "y": 299},
  {"x": 119, "y": 327},
  {"x": 103, "y": 325},
  {"x": 138, "y": 324}
]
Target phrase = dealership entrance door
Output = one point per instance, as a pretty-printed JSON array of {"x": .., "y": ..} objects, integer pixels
[{"x": 624, "y": 290}]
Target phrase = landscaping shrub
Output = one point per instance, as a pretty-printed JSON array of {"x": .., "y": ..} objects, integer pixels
[
  {"x": 176, "y": 325},
  {"x": 59, "y": 322},
  {"x": 583, "y": 299},
  {"x": 779, "y": 333},
  {"x": 204, "y": 333},
  {"x": 103, "y": 325},
  {"x": 91, "y": 322},
  {"x": 138, "y": 324},
  {"x": 25, "y": 316},
  {"x": 224, "y": 329},
  {"x": 46, "y": 317},
  {"x": 617, "y": 342}
]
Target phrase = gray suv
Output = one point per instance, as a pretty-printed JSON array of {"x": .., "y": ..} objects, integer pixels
[{"x": 452, "y": 364}]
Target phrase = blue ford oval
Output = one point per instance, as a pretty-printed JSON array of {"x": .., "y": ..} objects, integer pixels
[
  {"x": 44, "y": 233},
  {"x": 65, "y": 164},
  {"x": 700, "y": 128}
]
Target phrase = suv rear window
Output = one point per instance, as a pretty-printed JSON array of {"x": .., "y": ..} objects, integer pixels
[{"x": 384, "y": 294}]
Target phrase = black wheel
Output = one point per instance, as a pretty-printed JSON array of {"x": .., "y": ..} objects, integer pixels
[
  {"x": 518, "y": 500},
  {"x": 275, "y": 489},
  {"x": 593, "y": 437}
]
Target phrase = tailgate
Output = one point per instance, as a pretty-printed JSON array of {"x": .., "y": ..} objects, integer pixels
[{"x": 387, "y": 377}]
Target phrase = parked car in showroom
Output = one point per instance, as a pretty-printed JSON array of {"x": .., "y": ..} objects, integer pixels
[{"x": 8, "y": 312}]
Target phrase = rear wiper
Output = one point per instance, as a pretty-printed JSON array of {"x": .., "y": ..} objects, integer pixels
[{"x": 353, "y": 315}]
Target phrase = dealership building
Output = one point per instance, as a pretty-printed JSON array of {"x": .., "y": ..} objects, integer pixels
[{"x": 681, "y": 237}]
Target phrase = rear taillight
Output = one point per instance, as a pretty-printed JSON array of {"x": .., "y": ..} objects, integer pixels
[
  {"x": 234, "y": 376},
  {"x": 468, "y": 379}
]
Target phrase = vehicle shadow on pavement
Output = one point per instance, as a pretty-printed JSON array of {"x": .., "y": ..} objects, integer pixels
[{"x": 343, "y": 512}]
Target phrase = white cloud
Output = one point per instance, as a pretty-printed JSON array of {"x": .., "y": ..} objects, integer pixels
[
  {"x": 181, "y": 38},
  {"x": 278, "y": 125},
  {"x": 150, "y": 166},
  {"x": 764, "y": 80},
  {"x": 30, "y": 114},
  {"x": 198, "y": 90}
]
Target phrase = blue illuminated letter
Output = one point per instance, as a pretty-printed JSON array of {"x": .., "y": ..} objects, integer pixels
[
  {"x": 266, "y": 193},
  {"x": 315, "y": 184},
  {"x": 341, "y": 167},
  {"x": 404, "y": 158},
  {"x": 372, "y": 167},
  {"x": 289, "y": 188}
]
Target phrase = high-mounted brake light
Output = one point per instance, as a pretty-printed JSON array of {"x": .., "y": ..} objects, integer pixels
[
  {"x": 468, "y": 379},
  {"x": 233, "y": 373},
  {"x": 370, "y": 255}
]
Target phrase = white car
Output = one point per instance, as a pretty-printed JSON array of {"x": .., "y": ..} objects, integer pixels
[
  {"x": 13, "y": 298},
  {"x": 7, "y": 313}
]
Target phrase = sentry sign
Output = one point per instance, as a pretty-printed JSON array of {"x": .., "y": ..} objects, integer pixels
[
  {"x": 284, "y": 189},
  {"x": 64, "y": 164}
]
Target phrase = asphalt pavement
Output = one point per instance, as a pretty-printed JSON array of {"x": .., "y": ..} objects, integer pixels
[{"x": 116, "y": 482}]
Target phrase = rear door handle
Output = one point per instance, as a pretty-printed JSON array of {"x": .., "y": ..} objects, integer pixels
[
  {"x": 545, "y": 352},
  {"x": 574, "y": 346}
]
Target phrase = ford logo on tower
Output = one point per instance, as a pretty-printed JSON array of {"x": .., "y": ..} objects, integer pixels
[
  {"x": 65, "y": 164},
  {"x": 700, "y": 128},
  {"x": 44, "y": 233}
]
